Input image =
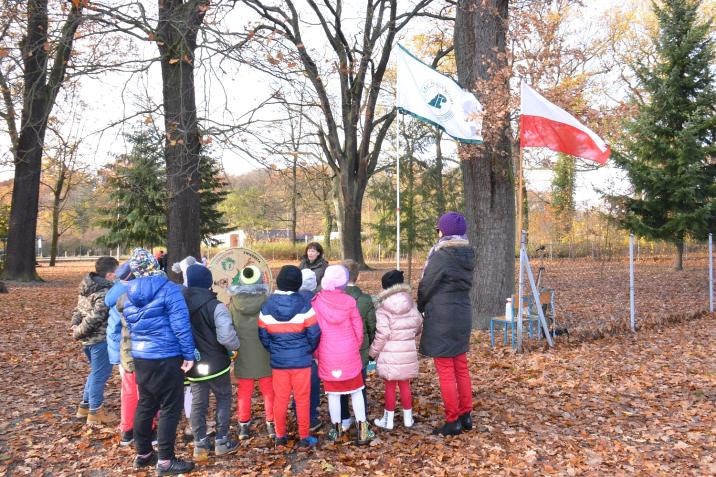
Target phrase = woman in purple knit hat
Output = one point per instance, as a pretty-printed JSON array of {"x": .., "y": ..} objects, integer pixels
[{"x": 444, "y": 300}]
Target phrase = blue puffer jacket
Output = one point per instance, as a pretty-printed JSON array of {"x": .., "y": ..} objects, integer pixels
[
  {"x": 158, "y": 319},
  {"x": 288, "y": 329},
  {"x": 114, "y": 325}
]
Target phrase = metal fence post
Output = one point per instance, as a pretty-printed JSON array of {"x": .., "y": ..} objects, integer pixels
[{"x": 631, "y": 284}]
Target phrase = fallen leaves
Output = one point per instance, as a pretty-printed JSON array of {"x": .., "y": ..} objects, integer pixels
[{"x": 621, "y": 405}]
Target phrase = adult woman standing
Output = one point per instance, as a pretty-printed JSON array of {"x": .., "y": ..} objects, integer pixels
[
  {"x": 313, "y": 260},
  {"x": 444, "y": 299}
]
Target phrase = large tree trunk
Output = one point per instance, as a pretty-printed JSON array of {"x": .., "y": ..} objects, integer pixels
[
  {"x": 39, "y": 96},
  {"x": 480, "y": 49},
  {"x": 352, "y": 191},
  {"x": 178, "y": 24}
]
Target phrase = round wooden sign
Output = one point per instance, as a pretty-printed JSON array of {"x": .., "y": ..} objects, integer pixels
[{"x": 226, "y": 266}]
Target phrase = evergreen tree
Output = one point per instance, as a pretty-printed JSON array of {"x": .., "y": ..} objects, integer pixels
[
  {"x": 214, "y": 189},
  {"x": 669, "y": 154},
  {"x": 136, "y": 213},
  {"x": 563, "y": 184}
]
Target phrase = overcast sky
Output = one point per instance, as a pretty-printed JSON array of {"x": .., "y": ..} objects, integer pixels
[{"x": 113, "y": 96}]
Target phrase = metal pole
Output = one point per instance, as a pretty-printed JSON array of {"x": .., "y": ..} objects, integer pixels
[
  {"x": 520, "y": 199},
  {"x": 631, "y": 284},
  {"x": 711, "y": 273},
  {"x": 397, "y": 195},
  {"x": 520, "y": 288}
]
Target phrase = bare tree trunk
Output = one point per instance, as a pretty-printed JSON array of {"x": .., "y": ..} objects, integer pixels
[
  {"x": 327, "y": 227},
  {"x": 440, "y": 202},
  {"x": 55, "y": 229},
  {"x": 480, "y": 48},
  {"x": 294, "y": 185},
  {"x": 679, "y": 258},
  {"x": 39, "y": 95},
  {"x": 179, "y": 22},
  {"x": 352, "y": 194},
  {"x": 338, "y": 206}
]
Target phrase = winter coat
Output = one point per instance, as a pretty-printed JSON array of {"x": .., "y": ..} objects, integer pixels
[
  {"x": 114, "y": 324},
  {"x": 367, "y": 314},
  {"x": 318, "y": 266},
  {"x": 125, "y": 348},
  {"x": 288, "y": 330},
  {"x": 158, "y": 319},
  {"x": 341, "y": 336},
  {"x": 89, "y": 318},
  {"x": 398, "y": 323},
  {"x": 444, "y": 299},
  {"x": 213, "y": 331},
  {"x": 254, "y": 361}
]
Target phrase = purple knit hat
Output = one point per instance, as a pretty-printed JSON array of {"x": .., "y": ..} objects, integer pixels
[{"x": 452, "y": 223}]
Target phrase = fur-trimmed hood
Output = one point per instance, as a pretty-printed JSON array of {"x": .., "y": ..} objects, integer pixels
[
  {"x": 452, "y": 243},
  {"x": 397, "y": 299}
]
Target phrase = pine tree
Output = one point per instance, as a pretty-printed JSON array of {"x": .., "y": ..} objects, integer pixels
[
  {"x": 669, "y": 154},
  {"x": 136, "y": 214},
  {"x": 214, "y": 189}
]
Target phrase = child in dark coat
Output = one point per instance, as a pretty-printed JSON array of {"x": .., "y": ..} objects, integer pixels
[{"x": 216, "y": 341}]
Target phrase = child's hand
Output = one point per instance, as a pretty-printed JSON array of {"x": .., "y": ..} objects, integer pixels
[
  {"x": 187, "y": 365},
  {"x": 233, "y": 355}
]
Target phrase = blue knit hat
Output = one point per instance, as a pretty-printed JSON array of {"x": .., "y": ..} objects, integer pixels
[
  {"x": 124, "y": 271},
  {"x": 199, "y": 276}
]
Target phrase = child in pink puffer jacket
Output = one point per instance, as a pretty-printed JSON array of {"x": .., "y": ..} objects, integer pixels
[
  {"x": 339, "y": 362},
  {"x": 398, "y": 323}
]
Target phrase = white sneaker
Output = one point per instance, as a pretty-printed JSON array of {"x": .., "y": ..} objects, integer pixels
[
  {"x": 408, "y": 420},
  {"x": 347, "y": 423},
  {"x": 386, "y": 422}
]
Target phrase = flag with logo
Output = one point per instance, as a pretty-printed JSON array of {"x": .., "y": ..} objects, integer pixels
[{"x": 437, "y": 99}]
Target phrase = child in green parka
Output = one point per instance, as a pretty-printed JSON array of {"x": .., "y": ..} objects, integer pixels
[{"x": 253, "y": 362}]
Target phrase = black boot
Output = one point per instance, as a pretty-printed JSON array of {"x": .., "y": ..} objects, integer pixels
[
  {"x": 175, "y": 467},
  {"x": 466, "y": 421},
  {"x": 449, "y": 429}
]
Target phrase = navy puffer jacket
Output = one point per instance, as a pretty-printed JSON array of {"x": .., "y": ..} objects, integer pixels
[
  {"x": 289, "y": 331},
  {"x": 158, "y": 319}
]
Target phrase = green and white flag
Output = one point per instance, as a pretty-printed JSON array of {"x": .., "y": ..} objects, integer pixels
[{"x": 437, "y": 99}]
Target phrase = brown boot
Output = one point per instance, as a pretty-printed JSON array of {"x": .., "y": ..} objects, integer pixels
[
  {"x": 100, "y": 416},
  {"x": 82, "y": 411}
]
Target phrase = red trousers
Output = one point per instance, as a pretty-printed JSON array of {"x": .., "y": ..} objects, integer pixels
[
  {"x": 128, "y": 398},
  {"x": 298, "y": 381},
  {"x": 244, "y": 391},
  {"x": 455, "y": 385},
  {"x": 406, "y": 397}
]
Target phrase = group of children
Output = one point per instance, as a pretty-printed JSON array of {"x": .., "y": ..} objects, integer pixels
[{"x": 290, "y": 341}]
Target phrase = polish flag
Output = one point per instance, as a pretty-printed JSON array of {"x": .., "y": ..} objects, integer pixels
[{"x": 543, "y": 124}]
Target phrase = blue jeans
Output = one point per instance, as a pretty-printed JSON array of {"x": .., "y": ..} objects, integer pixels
[{"x": 100, "y": 372}]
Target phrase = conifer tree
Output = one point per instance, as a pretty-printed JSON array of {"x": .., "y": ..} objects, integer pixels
[
  {"x": 669, "y": 153},
  {"x": 136, "y": 214},
  {"x": 213, "y": 191}
]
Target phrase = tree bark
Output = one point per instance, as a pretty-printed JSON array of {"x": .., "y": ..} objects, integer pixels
[
  {"x": 55, "y": 229},
  {"x": 39, "y": 95},
  {"x": 480, "y": 49},
  {"x": 438, "y": 172},
  {"x": 679, "y": 257},
  {"x": 352, "y": 191},
  {"x": 179, "y": 22}
]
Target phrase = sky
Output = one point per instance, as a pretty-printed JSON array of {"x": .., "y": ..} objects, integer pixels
[{"x": 226, "y": 97}]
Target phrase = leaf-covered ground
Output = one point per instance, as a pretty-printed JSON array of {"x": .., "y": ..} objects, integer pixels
[{"x": 621, "y": 405}]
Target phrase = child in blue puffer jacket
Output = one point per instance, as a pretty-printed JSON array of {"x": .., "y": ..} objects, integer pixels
[{"x": 163, "y": 350}]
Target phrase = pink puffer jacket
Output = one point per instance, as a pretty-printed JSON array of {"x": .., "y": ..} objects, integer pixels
[
  {"x": 341, "y": 326},
  {"x": 398, "y": 323}
]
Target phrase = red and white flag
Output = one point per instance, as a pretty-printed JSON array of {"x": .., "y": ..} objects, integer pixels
[{"x": 543, "y": 124}]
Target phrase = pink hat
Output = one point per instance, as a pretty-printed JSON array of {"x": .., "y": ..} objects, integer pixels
[{"x": 335, "y": 277}]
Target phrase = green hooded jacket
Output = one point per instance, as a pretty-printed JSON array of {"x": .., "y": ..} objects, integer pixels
[
  {"x": 367, "y": 312},
  {"x": 253, "y": 361}
]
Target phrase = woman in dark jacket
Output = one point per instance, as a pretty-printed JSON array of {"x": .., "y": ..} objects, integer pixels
[
  {"x": 313, "y": 260},
  {"x": 444, "y": 300}
]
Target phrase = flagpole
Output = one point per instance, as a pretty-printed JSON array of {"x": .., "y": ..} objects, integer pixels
[{"x": 397, "y": 194}]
